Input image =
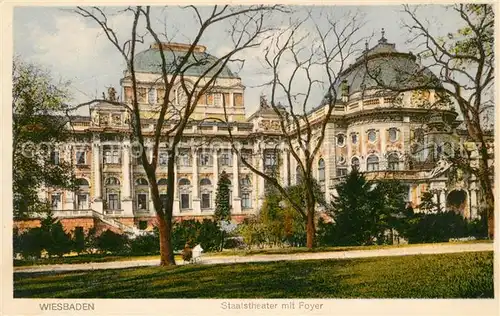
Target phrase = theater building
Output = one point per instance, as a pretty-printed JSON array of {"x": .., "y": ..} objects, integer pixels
[{"x": 380, "y": 134}]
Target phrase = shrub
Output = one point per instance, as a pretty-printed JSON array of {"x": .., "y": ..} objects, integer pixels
[
  {"x": 209, "y": 236},
  {"x": 206, "y": 233},
  {"x": 58, "y": 242},
  {"x": 31, "y": 243},
  {"x": 145, "y": 245},
  {"x": 112, "y": 242},
  {"x": 437, "y": 227},
  {"x": 79, "y": 240}
]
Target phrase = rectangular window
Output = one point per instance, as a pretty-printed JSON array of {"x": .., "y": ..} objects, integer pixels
[
  {"x": 160, "y": 96},
  {"x": 54, "y": 157},
  {"x": 115, "y": 157},
  {"x": 205, "y": 159},
  {"x": 341, "y": 172},
  {"x": 226, "y": 99},
  {"x": 55, "y": 199},
  {"x": 270, "y": 160},
  {"x": 141, "y": 95},
  {"x": 163, "y": 159},
  {"x": 143, "y": 225},
  {"x": 217, "y": 99},
  {"x": 152, "y": 96},
  {"x": 238, "y": 99},
  {"x": 107, "y": 156},
  {"x": 205, "y": 200},
  {"x": 163, "y": 200},
  {"x": 225, "y": 159},
  {"x": 82, "y": 201},
  {"x": 210, "y": 99},
  {"x": 129, "y": 96},
  {"x": 184, "y": 201},
  {"x": 246, "y": 202},
  {"x": 113, "y": 202},
  {"x": 142, "y": 201},
  {"x": 80, "y": 157},
  {"x": 184, "y": 160}
]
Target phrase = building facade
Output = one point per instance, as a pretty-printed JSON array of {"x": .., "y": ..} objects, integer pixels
[{"x": 380, "y": 134}]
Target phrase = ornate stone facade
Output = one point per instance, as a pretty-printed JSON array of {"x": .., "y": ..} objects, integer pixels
[{"x": 377, "y": 132}]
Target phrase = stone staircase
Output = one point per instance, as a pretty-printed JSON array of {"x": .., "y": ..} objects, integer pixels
[{"x": 132, "y": 231}]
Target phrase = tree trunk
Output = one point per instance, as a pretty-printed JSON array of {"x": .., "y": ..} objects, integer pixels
[
  {"x": 310, "y": 229},
  {"x": 166, "y": 249}
]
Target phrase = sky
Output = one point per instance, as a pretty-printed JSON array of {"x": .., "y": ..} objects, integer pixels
[{"x": 75, "y": 49}]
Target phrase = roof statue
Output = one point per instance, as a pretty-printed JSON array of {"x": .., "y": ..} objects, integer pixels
[
  {"x": 112, "y": 94},
  {"x": 263, "y": 102},
  {"x": 382, "y": 39}
]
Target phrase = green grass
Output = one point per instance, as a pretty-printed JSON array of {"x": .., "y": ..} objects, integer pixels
[
  {"x": 457, "y": 275},
  {"x": 293, "y": 250}
]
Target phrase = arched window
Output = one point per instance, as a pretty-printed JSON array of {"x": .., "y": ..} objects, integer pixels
[
  {"x": 321, "y": 170},
  {"x": 372, "y": 163},
  {"x": 205, "y": 193},
  {"x": 82, "y": 182},
  {"x": 112, "y": 194},
  {"x": 205, "y": 181},
  {"x": 355, "y": 163},
  {"x": 163, "y": 181},
  {"x": 393, "y": 162},
  {"x": 112, "y": 181},
  {"x": 141, "y": 181},
  {"x": 82, "y": 195},
  {"x": 341, "y": 140},
  {"x": 184, "y": 193}
]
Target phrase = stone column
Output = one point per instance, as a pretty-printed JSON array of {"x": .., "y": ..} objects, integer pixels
[
  {"x": 473, "y": 204},
  {"x": 215, "y": 165},
  {"x": 383, "y": 145},
  {"x": 127, "y": 201},
  {"x": 261, "y": 192},
  {"x": 69, "y": 196},
  {"x": 176, "y": 206},
  {"x": 97, "y": 204},
  {"x": 285, "y": 178},
  {"x": 196, "y": 182},
  {"x": 236, "y": 203},
  {"x": 442, "y": 200}
]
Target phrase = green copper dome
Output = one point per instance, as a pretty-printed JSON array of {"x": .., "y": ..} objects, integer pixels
[{"x": 149, "y": 61}]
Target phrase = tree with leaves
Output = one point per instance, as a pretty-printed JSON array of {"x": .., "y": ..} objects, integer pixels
[
  {"x": 222, "y": 203},
  {"x": 38, "y": 126},
  {"x": 363, "y": 211},
  {"x": 246, "y": 28},
  {"x": 464, "y": 62},
  {"x": 299, "y": 61}
]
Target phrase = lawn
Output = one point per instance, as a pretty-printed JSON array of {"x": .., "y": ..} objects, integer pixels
[{"x": 457, "y": 275}]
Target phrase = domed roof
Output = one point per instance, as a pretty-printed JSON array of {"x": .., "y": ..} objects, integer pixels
[
  {"x": 149, "y": 61},
  {"x": 383, "y": 63}
]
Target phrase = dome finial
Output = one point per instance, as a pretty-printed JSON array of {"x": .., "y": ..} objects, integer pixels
[{"x": 382, "y": 39}]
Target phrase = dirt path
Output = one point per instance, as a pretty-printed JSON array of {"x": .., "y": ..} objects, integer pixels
[{"x": 400, "y": 251}]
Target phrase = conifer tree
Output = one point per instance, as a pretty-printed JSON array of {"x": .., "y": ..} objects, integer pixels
[{"x": 222, "y": 203}]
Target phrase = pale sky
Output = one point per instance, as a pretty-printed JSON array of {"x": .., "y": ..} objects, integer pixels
[{"x": 75, "y": 49}]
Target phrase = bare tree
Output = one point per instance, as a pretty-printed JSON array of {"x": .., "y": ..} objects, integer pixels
[
  {"x": 302, "y": 62},
  {"x": 464, "y": 64},
  {"x": 247, "y": 28}
]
